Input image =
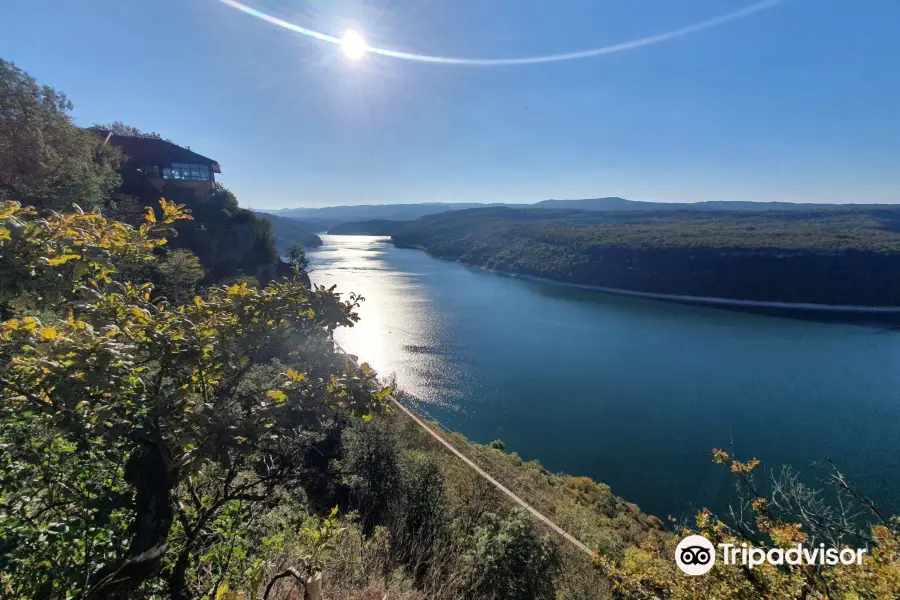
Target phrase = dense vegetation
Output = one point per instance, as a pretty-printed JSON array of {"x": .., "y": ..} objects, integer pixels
[
  {"x": 44, "y": 159},
  {"x": 133, "y": 429},
  {"x": 829, "y": 256},
  {"x": 228, "y": 240},
  {"x": 169, "y": 428}
]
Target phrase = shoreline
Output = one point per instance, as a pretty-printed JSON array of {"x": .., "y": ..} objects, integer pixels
[{"x": 786, "y": 307}]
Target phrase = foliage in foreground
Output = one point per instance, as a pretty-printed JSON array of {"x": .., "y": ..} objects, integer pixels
[{"x": 140, "y": 437}]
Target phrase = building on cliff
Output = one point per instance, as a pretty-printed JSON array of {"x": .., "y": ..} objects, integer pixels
[{"x": 163, "y": 162}]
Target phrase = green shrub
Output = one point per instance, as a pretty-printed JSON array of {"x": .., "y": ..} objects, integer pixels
[
  {"x": 511, "y": 560},
  {"x": 420, "y": 530},
  {"x": 371, "y": 469}
]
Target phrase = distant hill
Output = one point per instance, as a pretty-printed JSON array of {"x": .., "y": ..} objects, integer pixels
[
  {"x": 310, "y": 225},
  {"x": 327, "y": 218},
  {"x": 621, "y": 204},
  {"x": 364, "y": 212},
  {"x": 840, "y": 255},
  {"x": 371, "y": 227},
  {"x": 612, "y": 203},
  {"x": 289, "y": 232}
]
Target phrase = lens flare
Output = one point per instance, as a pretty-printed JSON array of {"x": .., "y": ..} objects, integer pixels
[
  {"x": 353, "y": 45},
  {"x": 527, "y": 60}
]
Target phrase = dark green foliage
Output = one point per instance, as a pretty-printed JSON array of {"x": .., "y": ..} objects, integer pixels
[
  {"x": 296, "y": 257},
  {"x": 180, "y": 274},
  {"x": 449, "y": 531},
  {"x": 227, "y": 239},
  {"x": 372, "y": 470},
  {"x": 498, "y": 445},
  {"x": 512, "y": 560},
  {"x": 421, "y": 529},
  {"x": 45, "y": 160},
  {"x": 828, "y": 256}
]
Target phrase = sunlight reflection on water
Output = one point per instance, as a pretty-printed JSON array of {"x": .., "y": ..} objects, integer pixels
[
  {"x": 629, "y": 391},
  {"x": 398, "y": 333}
]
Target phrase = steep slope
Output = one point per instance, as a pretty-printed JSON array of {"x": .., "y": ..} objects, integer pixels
[
  {"x": 288, "y": 232},
  {"x": 827, "y": 256}
]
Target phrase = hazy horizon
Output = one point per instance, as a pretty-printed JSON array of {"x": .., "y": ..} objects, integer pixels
[{"x": 303, "y": 207}]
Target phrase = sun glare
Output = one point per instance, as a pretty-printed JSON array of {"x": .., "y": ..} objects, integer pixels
[{"x": 354, "y": 45}]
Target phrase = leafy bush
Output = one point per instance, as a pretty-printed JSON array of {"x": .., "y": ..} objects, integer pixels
[
  {"x": 372, "y": 470},
  {"x": 511, "y": 559},
  {"x": 138, "y": 445},
  {"x": 419, "y": 533},
  {"x": 180, "y": 273}
]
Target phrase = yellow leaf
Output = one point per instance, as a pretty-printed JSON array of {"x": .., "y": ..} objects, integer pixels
[
  {"x": 149, "y": 216},
  {"x": 295, "y": 375},
  {"x": 48, "y": 333},
  {"x": 62, "y": 259},
  {"x": 277, "y": 395},
  {"x": 198, "y": 302},
  {"x": 8, "y": 208},
  {"x": 139, "y": 314},
  {"x": 13, "y": 323},
  {"x": 367, "y": 418},
  {"x": 29, "y": 323},
  {"x": 222, "y": 590},
  {"x": 4, "y": 233}
]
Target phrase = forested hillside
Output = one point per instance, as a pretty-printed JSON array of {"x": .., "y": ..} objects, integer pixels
[
  {"x": 828, "y": 256},
  {"x": 372, "y": 227},
  {"x": 288, "y": 232}
]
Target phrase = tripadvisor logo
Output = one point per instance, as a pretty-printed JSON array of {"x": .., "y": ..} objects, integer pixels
[{"x": 696, "y": 555}]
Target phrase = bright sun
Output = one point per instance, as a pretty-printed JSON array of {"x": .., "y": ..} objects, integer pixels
[{"x": 354, "y": 45}]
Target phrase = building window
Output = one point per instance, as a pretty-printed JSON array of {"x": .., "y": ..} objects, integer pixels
[
  {"x": 186, "y": 172},
  {"x": 149, "y": 170}
]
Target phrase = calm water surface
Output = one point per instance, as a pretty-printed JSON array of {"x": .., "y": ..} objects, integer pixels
[{"x": 631, "y": 392}]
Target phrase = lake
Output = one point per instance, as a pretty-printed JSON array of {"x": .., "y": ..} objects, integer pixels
[{"x": 631, "y": 392}]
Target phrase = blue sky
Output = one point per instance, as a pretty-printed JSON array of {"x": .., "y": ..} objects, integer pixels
[{"x": 800, "y": 102}]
